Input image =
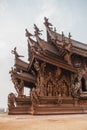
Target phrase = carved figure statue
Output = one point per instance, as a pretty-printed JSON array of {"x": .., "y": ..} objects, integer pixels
[
  {"x": 59, "y": 99},
  {"x": 55, "y": 87},
  {"x": 50, "y": 88},
  {"x": 40, "y": 76},
  {"x": 19, "y": 87},
  {"x": 58, "y": 73},
  {"x": 11, "y": 101},
  {"x": 63, "y": 38},
  {"x": 50, "y": 78},
  {"x": 37, "y": 31},
  {"x": 34, "y": 97},
  {"x": 67, "y": 58},
  {"x": 36, "y": 65},
  {"x": 64, "y": 89},
  {"x": 28, "y": 34},
  {"x": 46, "y": 22},
  {"x": 15, "y": 53},
  {"x": 76, "y": 88}
]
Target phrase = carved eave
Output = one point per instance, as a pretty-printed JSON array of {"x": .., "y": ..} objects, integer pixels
[
  {"x": 78, "y": 51},
  {"x": 28, "y": 79},
  {"x": 21, "y": 65},
  {"x": 55, "y": 61}
]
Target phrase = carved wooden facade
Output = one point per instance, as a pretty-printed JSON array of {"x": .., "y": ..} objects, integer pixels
[{"x": 56, "y": 75}]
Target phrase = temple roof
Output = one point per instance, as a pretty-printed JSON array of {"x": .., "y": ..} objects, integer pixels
[
  {"x": 26, "y": 77},
  {"x": 77, "y": 47},
  {"x": 50, "y": 51},
  {"x": 21, "y": 65},
  {"x": 75, "y": 43}
]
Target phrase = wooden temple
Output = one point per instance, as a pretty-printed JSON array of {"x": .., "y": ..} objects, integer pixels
[{"x": 56, "y": 75}]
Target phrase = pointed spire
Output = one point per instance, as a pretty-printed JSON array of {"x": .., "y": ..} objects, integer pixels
[
  {"x": 54, "y": 29},
  {"x": 69, "y": 36},
  {"x": 63, "y": 37}
]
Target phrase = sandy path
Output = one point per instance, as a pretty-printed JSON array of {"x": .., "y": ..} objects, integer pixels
[{"x": 28, "y": 122}]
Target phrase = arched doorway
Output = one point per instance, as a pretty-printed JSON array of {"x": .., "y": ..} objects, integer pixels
[{"x": 83, "y": 83}]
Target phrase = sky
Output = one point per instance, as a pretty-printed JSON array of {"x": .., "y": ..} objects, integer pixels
[{"x": 17, "y": 15}]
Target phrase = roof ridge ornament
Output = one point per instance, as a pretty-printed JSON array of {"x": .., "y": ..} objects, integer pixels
[
  {"x": 28, "y": 34},
  {"x": 47, "y": 23},
  {"x": 37, "y": 30},
  {"x": 69, "y": 45},
  {"x": 69, "y": 37},
  {"x": 63, "y": 37},
  {"x": 55, "y": 29},
  {"x": 15, "y": 53}
]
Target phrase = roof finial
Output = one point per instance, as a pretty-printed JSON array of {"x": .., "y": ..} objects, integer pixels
[
  {"x": 47, "y": 22},
  {"x": 15, "y": 53},
  {"x": 37, "y": 31},
  {"x": 69, "y": 37},
  {"x": 63, "y": 37},
  {"x": 28, "y": 34},
  {"x": 54, "y": 29}
]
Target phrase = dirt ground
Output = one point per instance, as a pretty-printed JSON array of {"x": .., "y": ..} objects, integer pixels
[{"x": 49, "y": 122}]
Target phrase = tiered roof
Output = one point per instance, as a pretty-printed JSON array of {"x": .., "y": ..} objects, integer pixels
[{"x": 51, "y": 51}]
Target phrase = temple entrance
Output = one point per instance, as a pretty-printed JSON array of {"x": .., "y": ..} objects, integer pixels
[{"x": 83, "y": 83}]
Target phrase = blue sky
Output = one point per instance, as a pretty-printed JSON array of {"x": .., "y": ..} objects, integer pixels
[{"x": 16, "y": 15}]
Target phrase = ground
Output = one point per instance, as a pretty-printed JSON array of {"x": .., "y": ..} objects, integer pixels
[{"x": 49, "y": 122}]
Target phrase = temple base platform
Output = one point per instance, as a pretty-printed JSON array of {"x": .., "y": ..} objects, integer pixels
[{"x": 48, "y": 106}]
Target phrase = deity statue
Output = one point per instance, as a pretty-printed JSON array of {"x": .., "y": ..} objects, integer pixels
[
  {"x": 50, "y": 88},
  {"x": 64, "y": 89}
]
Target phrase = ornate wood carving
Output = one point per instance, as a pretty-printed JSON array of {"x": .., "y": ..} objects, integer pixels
[
  {"x": 56, "y": 75},
  {"x": 15, "y": 53},
  {"x": 34, "y": 97},
  {"x": 11, "y": 101},
  {"x": 18, "y": 84}
]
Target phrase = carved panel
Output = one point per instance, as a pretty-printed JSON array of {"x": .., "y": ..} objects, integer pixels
[
  {"x": 83, "y": 102},
  {"x": 52, "y": 82}
]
